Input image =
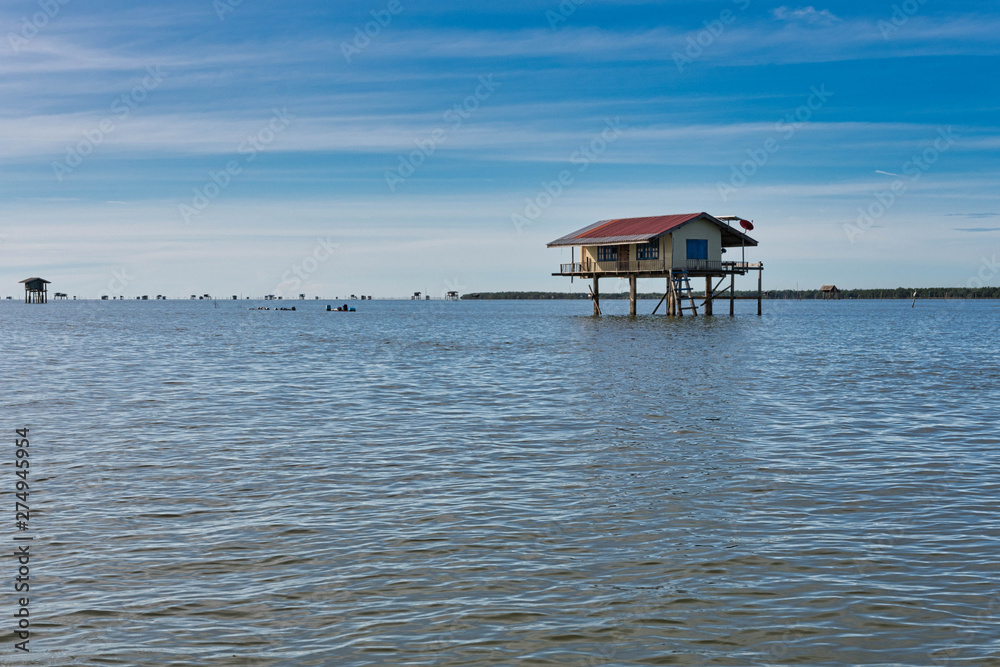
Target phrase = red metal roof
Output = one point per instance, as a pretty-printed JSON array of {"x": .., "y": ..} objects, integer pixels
[
  {"x": 649, "y": 226},
  {"x": 632, "y": 230}
]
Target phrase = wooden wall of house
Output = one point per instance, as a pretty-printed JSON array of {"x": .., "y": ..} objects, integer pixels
[
  {"x": 666, "y": 249},
  {"x": 697, "y": 229}
]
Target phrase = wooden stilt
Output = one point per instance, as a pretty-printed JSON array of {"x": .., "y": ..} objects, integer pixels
[
  {"x": 660, "y": 302},
  {"x": 732, "y": 294},
  {"x": 760, "y": 282},
  {"x": 708, "y": 295},
  {"x": 596, "y": 296},
  {"x": 632, "y": 280},
  {"x": 671, "y": 295}
]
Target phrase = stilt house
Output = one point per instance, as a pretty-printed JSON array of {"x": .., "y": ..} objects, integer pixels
[{"x": 675, "y": 247}]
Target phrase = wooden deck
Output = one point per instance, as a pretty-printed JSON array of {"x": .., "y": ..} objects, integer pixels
[
  {"x": 655, "y": 268},
  {"x": 676, "y": 275}
]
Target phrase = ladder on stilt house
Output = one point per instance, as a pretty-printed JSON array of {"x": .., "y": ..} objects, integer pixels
[{"x": 682, "y": 290}]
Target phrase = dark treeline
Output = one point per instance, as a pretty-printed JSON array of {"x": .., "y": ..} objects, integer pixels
[
  {"x": 896, "y": 293},
  {"x": 491, "y": 296}
]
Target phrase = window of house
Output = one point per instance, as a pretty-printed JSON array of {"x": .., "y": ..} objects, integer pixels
[
  {"x": 697, "y": 248},
  {"x": 649, "y": 250},
  {"x": 607, "y": 253}
]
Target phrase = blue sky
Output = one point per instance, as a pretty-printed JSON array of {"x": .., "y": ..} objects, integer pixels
[{"x": 245, "y": 147}]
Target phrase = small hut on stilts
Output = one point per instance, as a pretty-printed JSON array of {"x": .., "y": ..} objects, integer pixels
[
  {"x": 678, "y": 248},
  {"x": 35, "y": 290}
]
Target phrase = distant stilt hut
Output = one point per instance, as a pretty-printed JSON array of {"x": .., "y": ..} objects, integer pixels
[
  {"x": 453, "y": 295},
  {"x": 35, "y": 290},
  {"x": 830, "y": 292}
]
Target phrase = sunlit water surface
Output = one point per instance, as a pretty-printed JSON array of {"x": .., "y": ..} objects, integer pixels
[{"x": 501, "y": 483}]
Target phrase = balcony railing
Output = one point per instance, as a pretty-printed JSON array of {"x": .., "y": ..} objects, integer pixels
[{"x": 654, "y": 266}]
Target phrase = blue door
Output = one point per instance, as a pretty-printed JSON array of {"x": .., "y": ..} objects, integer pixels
[{"x": 697, "y": 248}]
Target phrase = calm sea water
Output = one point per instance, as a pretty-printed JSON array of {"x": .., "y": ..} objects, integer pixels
[{"x": 506, "y": 483}]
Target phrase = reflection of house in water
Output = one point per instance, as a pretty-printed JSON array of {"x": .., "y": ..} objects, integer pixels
[{"x": 675, "y": 247}]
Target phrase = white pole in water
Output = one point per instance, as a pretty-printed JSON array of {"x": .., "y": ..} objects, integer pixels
[{"x": 914, "y": 299}]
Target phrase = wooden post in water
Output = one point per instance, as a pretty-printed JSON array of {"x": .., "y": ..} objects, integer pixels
[
  {"x": 760, "y": 283},
  {"x": 732, "y": 294},
  {"x": 671, "y": 295},
  {"x": 914, "y": 302},
  {"x": 708, "y": 295},
  {"x": 632, "y": 280},
  {"x": 597, "y": 298}
]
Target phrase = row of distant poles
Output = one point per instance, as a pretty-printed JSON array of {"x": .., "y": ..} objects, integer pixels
[{"x": 36, "y": 291}]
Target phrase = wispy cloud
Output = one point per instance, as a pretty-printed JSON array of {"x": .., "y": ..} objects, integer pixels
[
  {"x": 808, "y": 15},
  {"x": 977, "y": 229}
]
